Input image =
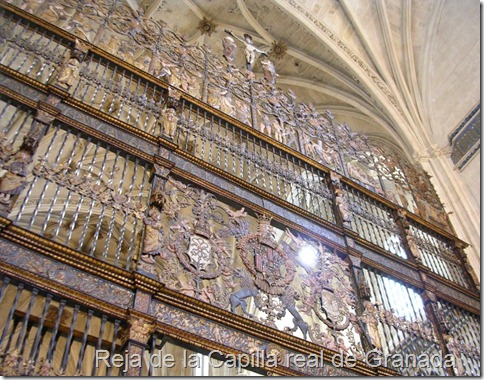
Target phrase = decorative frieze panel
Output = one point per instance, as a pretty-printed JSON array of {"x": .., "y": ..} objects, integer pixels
[
  {"x": 244, "y": 344},
  {"x": 65, "y": 275}
]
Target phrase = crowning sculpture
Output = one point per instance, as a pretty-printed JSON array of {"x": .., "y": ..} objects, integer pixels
[{"x": 250, "y": 49}]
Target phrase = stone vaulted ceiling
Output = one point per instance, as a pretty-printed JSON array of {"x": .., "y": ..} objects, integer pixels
[{"x": 404, "y": 70}]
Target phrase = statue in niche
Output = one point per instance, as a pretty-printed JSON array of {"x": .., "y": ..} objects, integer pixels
[
  {"x": 371, "y": 321},
  {"x": 269, "y": 71},
  {"x": 414, "y": 250},
  {"x": 250, "y": 50},
  {"x": 229, "y": 48},
  {"x": 68, "y": 73},
  {"x": 153, "y": 239},
  {"x": 12, "y": 182},
  {"x": 343, "y": 207},
  {"x": 170, "y": 122}
]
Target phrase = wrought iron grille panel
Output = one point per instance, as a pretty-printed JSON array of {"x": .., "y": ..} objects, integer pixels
[
  {"x": 85, "y": 194},
  {"x": 255, "y": 161},
  {"x": 438, "y": 256},
  {"x": 46, "y": 335},
  {"x": 15, "y": 123},
  {"x": 403, "y": 325},
  {"x": 120, "y": 93},
  {"x": 465, "y": 336},
  {"x": 29, "y": 49},
  {"x": 374, "y": 222}
]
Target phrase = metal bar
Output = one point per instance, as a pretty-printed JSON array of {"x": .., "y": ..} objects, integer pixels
[
  {"x": 69, "y": 338},
  {"x": 25, "y": 322},
  {"x": 22, "y": 50},
  {"x": 54, "y": 198},
  {"x": 35, "y": 345},
  {"x": 88, "y": 217},
  {"x": 13, "y": 38},
  {"x": 136, "y": 120},
  {"x": 44, "y": 64},
  {"x": 132, "y": 95},
  {"x": 8, "y": 102},
  {"x": 54, "y": 63},
  {"x": 95, "y": 238},
  {"x": 17, "y": 133},
  {"x": 50, "y": 352},
  {"x": 105, "y": 86},
  {"x": 36, "y": 58},
  {"x": 46, "y": 184},
  {"x": 20, "y": 287},
  {"x": 113, "y": 218},
  {"x": 100, "y": 80},
  {"x": 123, "y": 96},
  {"x": 84, "y": 340},
  {"x": 152, "y": 350},
  {"x": 133, "y": 234},
  {"x": 99, "y": 341},
  {"x": 125, "y": 220},
  {"x": 5, "y": 283},
  {"x": 81, "y": 79},
  {"x": 113, "y": 344}
]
